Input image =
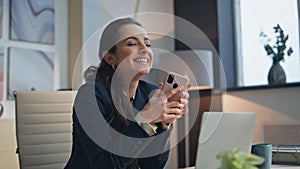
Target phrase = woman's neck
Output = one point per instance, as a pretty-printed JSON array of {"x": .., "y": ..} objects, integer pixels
[
  {"x": 132, "y": 88},
  {"x": 132, "y": 84}
]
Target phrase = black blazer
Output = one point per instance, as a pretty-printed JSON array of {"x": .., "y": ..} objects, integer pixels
[{"x": 96, "y": 146}]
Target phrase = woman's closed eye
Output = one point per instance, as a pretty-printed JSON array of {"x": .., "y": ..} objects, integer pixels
[
  {"x": 147, "y": 42},
  {"x": 131, "y": 44}
]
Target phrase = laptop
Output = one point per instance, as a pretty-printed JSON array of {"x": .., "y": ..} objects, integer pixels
[{"x": 223, "y": 131}]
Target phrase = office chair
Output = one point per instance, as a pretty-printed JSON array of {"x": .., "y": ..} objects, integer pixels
[{"x": 44, "y": 128}]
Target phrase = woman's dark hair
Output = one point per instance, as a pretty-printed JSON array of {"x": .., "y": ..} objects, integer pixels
[
  {"x": 110, "y": 35},
  {"x": 105, "y": 71},
  {"x": 108, "y": 41}
]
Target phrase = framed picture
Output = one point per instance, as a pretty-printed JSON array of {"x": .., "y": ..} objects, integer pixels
[
  {"x": 1, "y": 18},
  {"x": 32, "y": 21},
  {"x": 1, "y": 72},
  {"x": 29, "y": 69}
]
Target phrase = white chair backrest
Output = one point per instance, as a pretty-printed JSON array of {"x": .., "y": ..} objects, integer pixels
[{"x": 44, "y": 128}]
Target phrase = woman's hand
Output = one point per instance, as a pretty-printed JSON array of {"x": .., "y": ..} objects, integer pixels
[
  {"x": 183, "y": 100},
  {"x": 159, "y": 109}
]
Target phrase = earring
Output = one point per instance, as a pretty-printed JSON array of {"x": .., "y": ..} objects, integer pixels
[{"x": 113, "y": 66}]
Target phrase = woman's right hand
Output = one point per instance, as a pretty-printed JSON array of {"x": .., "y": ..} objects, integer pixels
[{"x": 158, "y": 109}]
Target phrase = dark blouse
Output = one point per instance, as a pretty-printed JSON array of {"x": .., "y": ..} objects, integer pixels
[{"x": 97, "y": 146}]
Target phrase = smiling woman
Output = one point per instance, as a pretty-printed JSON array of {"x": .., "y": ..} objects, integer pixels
[
  {"x": 119, "y": 120},
  {"x": 134, "y": 44}
]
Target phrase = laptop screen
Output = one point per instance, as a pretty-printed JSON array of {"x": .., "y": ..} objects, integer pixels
[{"x": 223, "y": 131}]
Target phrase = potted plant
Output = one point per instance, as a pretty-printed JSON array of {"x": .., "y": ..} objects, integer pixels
[
  {"x": 237, "y": 159},
  {"x": 277, "y": 52}
]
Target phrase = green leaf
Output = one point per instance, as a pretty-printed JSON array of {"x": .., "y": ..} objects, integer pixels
[
  {"x": 236, "y": 159},
  {"x": 254, "y": 159}
]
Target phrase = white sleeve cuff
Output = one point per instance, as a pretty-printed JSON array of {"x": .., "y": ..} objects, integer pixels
[{"x": 150, "y": 129}]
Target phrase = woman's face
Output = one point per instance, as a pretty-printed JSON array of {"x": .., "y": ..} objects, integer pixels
[{"x": 133, "y": 55}]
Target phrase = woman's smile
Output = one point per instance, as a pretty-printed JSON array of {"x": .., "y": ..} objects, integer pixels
[{"x": 142, "y": 60}]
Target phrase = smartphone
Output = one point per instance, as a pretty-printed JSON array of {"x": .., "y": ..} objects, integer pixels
[{"x": 174, "y": 80}]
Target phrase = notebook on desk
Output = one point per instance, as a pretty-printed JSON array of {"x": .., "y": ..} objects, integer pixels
[{"x": 223, "y": 131}]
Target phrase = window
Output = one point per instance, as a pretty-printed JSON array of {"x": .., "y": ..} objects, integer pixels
[{"x": 254, "y": 16}]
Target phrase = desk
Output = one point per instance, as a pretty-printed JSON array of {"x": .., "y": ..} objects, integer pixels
[
  {"x": 273, "y": 167},
  {"x": 285, "y": 166}
]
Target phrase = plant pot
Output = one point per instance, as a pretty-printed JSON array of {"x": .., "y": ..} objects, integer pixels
[{"x": 276, "y": 75}]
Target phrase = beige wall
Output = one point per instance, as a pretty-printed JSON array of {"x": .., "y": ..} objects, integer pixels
[
  {"x": 75, "y": 38},
  {"x": 8, "y": 156},
  {"x": 278, "y": 106}
]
